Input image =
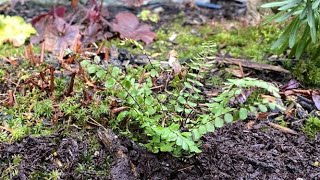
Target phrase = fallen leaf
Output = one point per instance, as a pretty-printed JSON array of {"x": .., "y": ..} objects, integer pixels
[
  {"x": 316, "y": 99},
  {"x": 128, "y": 26},
  {"x": 57, "y": 35},
  {"x": 173, "y": 62},
  {"x": 242, "y": 97},
  {"x": 292, "y": 84}
]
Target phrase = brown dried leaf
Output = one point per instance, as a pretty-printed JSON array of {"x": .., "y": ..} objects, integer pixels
[
  {"x": 57, "y": 35},
  {"x": 127, "y": 24},
  {"x": 316, "y": 99}
]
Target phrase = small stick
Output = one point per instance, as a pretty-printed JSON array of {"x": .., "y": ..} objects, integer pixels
[{"x": 283, "y": 129}]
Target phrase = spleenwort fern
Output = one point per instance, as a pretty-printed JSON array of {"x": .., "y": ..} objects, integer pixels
[{"x": 168, "y": 126}]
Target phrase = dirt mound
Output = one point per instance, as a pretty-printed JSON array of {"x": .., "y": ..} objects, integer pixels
[
  {"x": 237, "y": 153},
  {"x": 233, "y": 152}
]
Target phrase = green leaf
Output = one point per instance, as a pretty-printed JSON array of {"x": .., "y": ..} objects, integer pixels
[
  {"x": 289, "y": 5},
  {"x": 178, "y": 108},
  {"x": 15, "y": 30},
  {"x": 202, "y": 130},
  {"x": 182, "y": 100},
  {"x": 85, "y": 63},
  {"x": 196, "y": 135},
  {"x": 122, "y": 115},
  {"x": 192, "y": 104},
  {"x": 97, "y": 59},
  {"x": 187, "y": 111},
  {"x": 243, "y": 113},
  {"x": 165, "y": 133},
  {"x": 115, "y": 71},
  {"x": 153, "y": 73},
  {"x": 294, "y": 31},
  {"x": 166, "y": 148},
  {"x": 272, "y": 106},
  {"x": 101, "y": 73},
  {"x": 110, "y": 83},
  {"x": 262, "y": 108},
  {"x": 172, "y": 136},
  {"x": 315, "y": 4},
  {"x": 92, "y": 69},
  {"x": 228, "y": 118},
  {"x": 275, "y": 4},
  {"x": 188, "y": 85},
  {"x": 253, "y": 109},
  {"x": 210, "y": 127},
  {"x": 218, "y": 122},
  {"x": 194, "y": 149},
  {"x": 179, "y": 141},
  {"x": 185, "y": 146}
]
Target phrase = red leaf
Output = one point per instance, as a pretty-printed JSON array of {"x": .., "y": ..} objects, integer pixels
[
  {"x": 127, "y": 24},
  {"x": 55, "y": 12},
  {"x": 57, "y": 34}
]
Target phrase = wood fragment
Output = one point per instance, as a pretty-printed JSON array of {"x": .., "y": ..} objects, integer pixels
[
  {"x": 283, "y": 129},
  {"x": 247, "y": 64},
  {"x": 11, "y": 99}
]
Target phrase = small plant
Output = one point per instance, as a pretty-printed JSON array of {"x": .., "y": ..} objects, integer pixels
[
  {"x": 303, "y": 27},
  {"x": 13, "y": 169},
  {"x": 43, "y": 108},
  {"x": 312, "y": 126},
  {"x": 147, "y": 15},
  {"x": 165, "y": 119}
]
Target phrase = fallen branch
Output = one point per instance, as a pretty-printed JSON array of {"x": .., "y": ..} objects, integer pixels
[{"x": 247, "y": 64}]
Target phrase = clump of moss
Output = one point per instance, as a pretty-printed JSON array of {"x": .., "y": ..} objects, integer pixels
[
  {"x": 308, "y": 72},
  {"x": 312, "y": 126},
  {"x": 249, "y": 42}
]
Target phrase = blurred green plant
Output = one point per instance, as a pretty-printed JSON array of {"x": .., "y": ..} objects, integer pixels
[
  {"x": 302, "y": 29},
  {"x": 15, "y": 30}
]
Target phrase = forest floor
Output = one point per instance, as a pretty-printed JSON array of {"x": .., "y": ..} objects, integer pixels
[{"x": 68, "y": 145}]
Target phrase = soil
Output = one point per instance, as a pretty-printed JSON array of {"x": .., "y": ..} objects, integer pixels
[{"x": 236, "y": 151}]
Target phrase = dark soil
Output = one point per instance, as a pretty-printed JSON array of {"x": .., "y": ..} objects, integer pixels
[
  {"x": 234, "y": 152},
  {"x": 56, "y": 152}
]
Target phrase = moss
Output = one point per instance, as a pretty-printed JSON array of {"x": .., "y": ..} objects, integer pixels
[
  {"x": 312, "y": 126},
  {"x": 8, "y": 50},
  {"x": 246, "y": 42},
  {"x": 307, "y": 71}
]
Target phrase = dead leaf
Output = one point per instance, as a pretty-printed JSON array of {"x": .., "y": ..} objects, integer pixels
[
  {"x": 316, "y": 99},
  {"x": 250, "y": 124},
  {"x": 127, "y": 24},
  {"x": 173, "y": 62},
  {"x": 57, "y": 35},
  {"x": 235, "y": 72},
  {"x": 292, "y": 84},
  {"x": 242, "y": 97}
]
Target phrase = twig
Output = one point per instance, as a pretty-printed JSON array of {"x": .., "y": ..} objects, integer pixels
[
  {"x": 248, "y": 64},
  {"x": 283, "y": 129}
]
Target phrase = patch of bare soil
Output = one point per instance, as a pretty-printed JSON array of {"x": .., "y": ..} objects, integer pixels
[
  {"x": 234, "y": 152},
  {"x": 55, "y": 152}
]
